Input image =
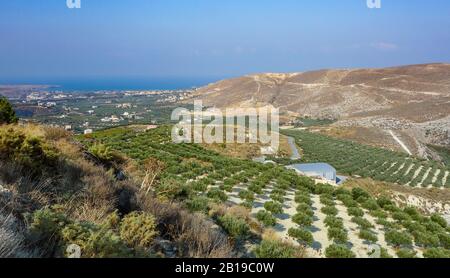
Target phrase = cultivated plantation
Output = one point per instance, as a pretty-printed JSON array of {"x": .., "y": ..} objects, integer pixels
[
  {"x": 269, "y": 211},
  {"x": 350, "y": 158}
]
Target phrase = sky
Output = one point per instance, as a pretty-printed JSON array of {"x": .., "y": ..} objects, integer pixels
[{"x": 213, "y": 39}]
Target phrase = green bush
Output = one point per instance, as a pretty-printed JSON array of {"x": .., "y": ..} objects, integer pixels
[
  {"x": 338, "y": 235},
  {"x": 237, "y": 228},
  {"x": 273, "y": 207},
  {"x": 26, "y": 150},
  {"x": 302, "y": 219},
  {"x": 277, "y": 197},
  {"x": 52, "y": 228},
  {"x": 439, "y": 220},
  {"x": 303, "y": 199},
  {"x": 444, "y": 238},
  {"x": 301, "y": 235},
  {"x": 266, "y": 218},
  {"x": 357, "y": 193},
  {"x": 217, "y": 195},
  {"x": 7, "y": 113},
  {"x": 371, "y": 205},
  {"x": 426, "y": 239},
  {"x": 329, "y": 210},
  {"x": 338, "y": 251},
  {"x": 273, "y": 249},
  {"x": 357, "y": 212},
  {"x": 411, "y": 211},
  {"x": 104, "y": 153},
  {"x": 436, "y": 253},
  {"x": 368, "y": 236},
  {"x": 247, "y": 195},
  {"x": 333, "y": 222},
  {"x": 198, "y": 203},
  {"x": 95, "y": 242},
  {"x": 362, "y": 223},
  {"x": 384, "y": 201},
  {"x": 401, "y": 216},
  {"x": 138, "y": 229},
  {"x": 397, "y": 238},
  {"x": 405, "y": 253},
  {"x": 379, "y": 214},
  {"x": 46, "y": 224}
]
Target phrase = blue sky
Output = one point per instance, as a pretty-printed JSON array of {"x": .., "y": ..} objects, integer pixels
[{"x": 44, "y": 40}]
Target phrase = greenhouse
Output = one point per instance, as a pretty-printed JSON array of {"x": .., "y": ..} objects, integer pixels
[{"x": 322, "y": 170}]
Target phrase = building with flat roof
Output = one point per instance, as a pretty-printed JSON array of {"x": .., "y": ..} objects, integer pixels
[{"x": 316, "y": 170}]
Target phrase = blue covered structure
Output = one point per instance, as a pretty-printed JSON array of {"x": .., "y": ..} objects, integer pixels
[{"x": 322, "y": 170}]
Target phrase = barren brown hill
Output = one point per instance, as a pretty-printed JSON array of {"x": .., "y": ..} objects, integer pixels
[{"x": 412, "y": 100}]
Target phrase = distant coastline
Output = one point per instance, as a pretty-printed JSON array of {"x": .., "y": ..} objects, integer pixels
[{"x": 114, "y": 84}]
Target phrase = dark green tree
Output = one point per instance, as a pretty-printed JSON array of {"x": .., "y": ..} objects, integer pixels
[{"x": 7, "y": 113}]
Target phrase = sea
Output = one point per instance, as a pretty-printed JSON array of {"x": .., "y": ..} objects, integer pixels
[{"x": 109, "y": 84}]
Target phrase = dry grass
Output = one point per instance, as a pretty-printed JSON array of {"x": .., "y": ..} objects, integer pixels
[
  {"x": 55, "y": 133},
  {"x": 196, "y": 236},
  {"x": 12, "y": 238}
]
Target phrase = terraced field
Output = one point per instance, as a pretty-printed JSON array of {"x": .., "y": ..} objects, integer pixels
[
  {"x": 246, "y": 199},
  {"x": 350, "y": 158}
]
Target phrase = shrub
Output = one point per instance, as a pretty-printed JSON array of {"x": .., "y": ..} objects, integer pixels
[
  {"x": 273, "y": 207},
  {"x": 371, "y": 205},
  {"x": 258, "y": 189},
  {"x": 384, "y": 254},
  {"x": 217, "y": 195},
  {"x": 330, "y": 210},
  {"x": 338, "y": 251},
  {"x": 50, "y": 226},
  {"x": 274, "y": 249},
  {"x": 266, "y": 218},
  {"x": 337, "y": 235},
  {"x": 277, "y": 197},
  {"x": 426, "y": 239},
  {"x": 368, "y": 236},
  {"x": 104, "y": 153},
  {"x": 411, "y": 211},
  {"x": 327, "y": 201},
  {"x": 247, "y": 195},
  {"x": 138, "y": 229},
  {"x": 95, "y": 242},
  {"x": 405, "y": 253},
  {"x": 444, "y": 239},
  {"x": 333, "y": 222},
  {"x": 237, "y": 228},
  {"x": 303, "y": 199},
  {"x": 26, "y": 150},
  {"x": 7, "y": 113},
  {"x": 439, "y": 220},
  {"x": 357, "y": 193},
  {"x": 362, "y": 222},
  {"x": 301, "y": 235},
  {"x": 401, "y": 216},
  {"x": 198, "y": 203},
  {"x": 302, "y": 219},
  {"x": 357, "y": 212},
  {"x": 384, "y": 201},
  {"x": 436, "y": 253},
  {"x": 46, "y": 224},
  {"x": 379, "y": 214},
  {"x": 398, "y": 238}
]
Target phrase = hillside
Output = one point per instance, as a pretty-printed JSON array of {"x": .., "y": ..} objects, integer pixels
[
  {"x": 413, "y": 101},
  {"x": 127, "y": 192}
]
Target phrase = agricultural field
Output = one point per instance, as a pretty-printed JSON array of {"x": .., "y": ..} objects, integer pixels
[
  {"x": 354, "y": 159},
  {"x": 249, "y": 200}
]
